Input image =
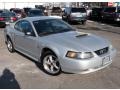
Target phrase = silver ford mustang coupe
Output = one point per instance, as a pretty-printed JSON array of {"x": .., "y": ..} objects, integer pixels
[{"x": 58, "y": 46}]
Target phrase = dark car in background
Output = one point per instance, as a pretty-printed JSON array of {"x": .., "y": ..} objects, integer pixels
[
  {"x": 17, "y": 11},
  {"x": 1, "y": 11},
  {"x": 96, "y": 13},
  {"x": 2, "y": 24},
  {"x": 26, "y": 10},
  {"x": 7, "y": 17},
  {"x": 41, "y": 7},
  {"x": 35, "y": 12},
  {"x": 75, "y": 14},
  {"x": 111, "y": 13},
  {"x": 56, "y": 11}
]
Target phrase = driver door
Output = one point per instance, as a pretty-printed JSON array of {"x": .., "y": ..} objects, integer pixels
[{"x": 27, "y": 43}]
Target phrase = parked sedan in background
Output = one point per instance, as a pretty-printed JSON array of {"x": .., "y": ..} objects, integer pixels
[
  {"x": 111, "y": 13},
  {"x": 75, "y": 14},
  {"x": 7, "y": 17},
  {"x": 58, "y": 46},
  {"x": 96, "y": 13},
  {"x": 56, "y": 11},
  {"x": 17, "y": 11},
  {"x": 35, "y": 12},
  {"x": 26, "y": 10}
]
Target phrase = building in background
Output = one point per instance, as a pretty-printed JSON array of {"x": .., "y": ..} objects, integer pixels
[
  {"x": 8, "y": 5},
  {"x": 5, "y": 5}
]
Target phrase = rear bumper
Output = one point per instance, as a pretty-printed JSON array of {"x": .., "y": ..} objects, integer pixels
[
  {"x": 86, "y": 66},
  {"x": 78, "y": 19}
]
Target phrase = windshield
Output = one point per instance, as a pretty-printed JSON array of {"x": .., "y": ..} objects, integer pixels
[
  {"x": 56, "y": 9},
  {"x": 79, "y": 10},
  {"x": 36, "y": 13},
  {"x": 7, "y": 14},
  {"x": 51, "y": 26}
]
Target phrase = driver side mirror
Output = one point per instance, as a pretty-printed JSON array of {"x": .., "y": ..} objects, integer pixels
[{"x": 28, "y": 33}]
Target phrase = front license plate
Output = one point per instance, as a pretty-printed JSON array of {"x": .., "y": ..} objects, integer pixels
[{"x": 106, "y": 60}]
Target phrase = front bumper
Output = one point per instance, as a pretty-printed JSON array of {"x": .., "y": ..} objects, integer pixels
[{"x": 87, "y": 66}]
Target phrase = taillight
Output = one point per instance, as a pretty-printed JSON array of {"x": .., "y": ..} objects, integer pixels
[
  {"x": 1, "y": 18},
  {"x": 13, "y": 18}
]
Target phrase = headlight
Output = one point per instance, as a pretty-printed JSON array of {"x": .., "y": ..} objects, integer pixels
[{"x": 79, "y": 55}]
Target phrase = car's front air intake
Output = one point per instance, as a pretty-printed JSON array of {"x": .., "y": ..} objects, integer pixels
[{"x": 102, "y": 51}]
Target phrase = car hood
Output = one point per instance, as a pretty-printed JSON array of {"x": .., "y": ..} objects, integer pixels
[{"x": 77, "y": 40}]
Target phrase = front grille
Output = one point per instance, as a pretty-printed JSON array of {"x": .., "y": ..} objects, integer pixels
[{"x": 102, "y": 51}]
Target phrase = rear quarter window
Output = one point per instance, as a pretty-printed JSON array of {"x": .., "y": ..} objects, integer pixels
[{"x": 18, "y": 26}]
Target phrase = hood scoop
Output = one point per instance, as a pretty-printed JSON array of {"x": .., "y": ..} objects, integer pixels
[{"x": 82, "y": 35}]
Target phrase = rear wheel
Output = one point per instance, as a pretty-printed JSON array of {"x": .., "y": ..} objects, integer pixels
[
  {"x": 51, "y": 64},
  {"x": 10, "y": 46}
]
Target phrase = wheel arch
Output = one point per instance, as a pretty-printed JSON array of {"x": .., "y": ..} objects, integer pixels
[
  {"x": 7, "y": 37},
  {"x": 45, "y": 49}
]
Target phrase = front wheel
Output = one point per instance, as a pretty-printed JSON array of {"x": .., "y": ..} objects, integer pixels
[
  {"x": 10, "y": 46},
  {"x": 51, "y": 64}
]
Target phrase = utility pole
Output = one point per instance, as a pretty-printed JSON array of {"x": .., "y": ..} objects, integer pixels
[
  {"x": 78, "y": 4},
  {"x": 14, "y": 4},
  {"x": 4, "y": 4},
  {"x": 117, "y": 7}
]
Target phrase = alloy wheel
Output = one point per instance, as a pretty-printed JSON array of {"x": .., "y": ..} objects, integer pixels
[{"x": 51, "y": 64}]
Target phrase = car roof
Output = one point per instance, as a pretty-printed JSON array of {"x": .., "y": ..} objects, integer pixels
[
  {"x": 31, "y": 19},
  {"x": 74, "y": 7},
  {"x": 34, "y": 9}
]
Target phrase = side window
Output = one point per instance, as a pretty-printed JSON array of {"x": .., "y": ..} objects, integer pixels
[
  {"x": 26, "y": 27},
  {"x": 18, "y": 26}
]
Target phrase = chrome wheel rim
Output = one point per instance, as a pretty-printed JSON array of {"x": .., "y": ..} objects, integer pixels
[
  {"x": 51, "y": 64},
  {"x": 9, "y": 45}
]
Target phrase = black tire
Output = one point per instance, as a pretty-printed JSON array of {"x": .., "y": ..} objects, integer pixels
[
  {"x": 48, "y": 53},
  {"x": 83, "y": 22},
  {"x": 10, "y": 46}
]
